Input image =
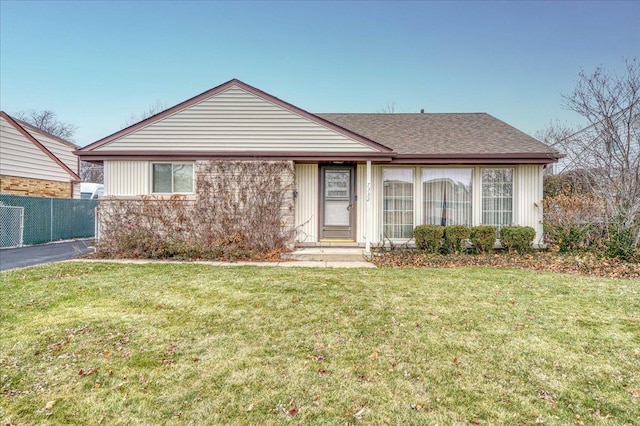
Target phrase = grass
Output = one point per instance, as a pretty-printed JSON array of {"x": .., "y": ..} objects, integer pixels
[{"x": 103, "y": 343}]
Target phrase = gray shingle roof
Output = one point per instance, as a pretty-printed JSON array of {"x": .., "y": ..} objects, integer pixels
[{"x": 446, "y": 133}]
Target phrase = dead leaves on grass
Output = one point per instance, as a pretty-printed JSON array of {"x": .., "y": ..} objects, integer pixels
[
  {"x": 583, "y": 264},
  {"x": 88, "y": 372}
]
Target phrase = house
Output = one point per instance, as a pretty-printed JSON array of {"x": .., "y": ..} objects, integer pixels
[
  {"x": 33, "y": 162},
  {"x": 359, "y": 179}
]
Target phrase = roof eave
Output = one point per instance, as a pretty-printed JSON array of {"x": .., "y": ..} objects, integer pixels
[
  {"x": 486, "y": 158},
  {"x": 162, "y": 155}
]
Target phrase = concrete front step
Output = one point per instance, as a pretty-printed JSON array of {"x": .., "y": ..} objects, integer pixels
[{"x": 328, "y": 254}]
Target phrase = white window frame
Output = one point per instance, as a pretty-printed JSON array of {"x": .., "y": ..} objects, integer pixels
[
  {"x": 418, "y": 201},
  {"x": 513, "y": 195},
  {"x": 172, "y": 163},
  {"x": 445, "y": 167},
  {"x": 413, "y": 200}
]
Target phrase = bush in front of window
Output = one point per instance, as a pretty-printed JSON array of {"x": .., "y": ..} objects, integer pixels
[
  {"x": 517, "y": 238},
  {"x": 455, "y": 237},
  {"x": 428, "y": 237},
  {"x": 483, "y": 238}
]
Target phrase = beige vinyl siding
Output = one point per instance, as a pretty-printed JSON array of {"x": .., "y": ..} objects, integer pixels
[
  {"x": 528, "y": 193},
  {"x": 361, "y": 203},
  {"x": 236, "y": 120},
  {"x": 376, "y": 203},
  {"x": 60, "y": 150},
  {"x": 21, "y": 157},
  {"x": 306, "y": 207},
  {"x": 76, "y": 190},
  {"x": 126, "y": 178}
]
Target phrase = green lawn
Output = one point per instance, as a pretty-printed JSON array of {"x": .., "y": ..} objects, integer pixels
[{"x": 102, "y": 343}]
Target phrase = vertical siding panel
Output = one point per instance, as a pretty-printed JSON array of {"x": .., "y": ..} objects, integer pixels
[
  {"x": 361, "y": 204},
  {"x": 376, "y": 204},
  {"x": 476, "y": 201},
  {"x": 306, "y": 207},
  {"x": 529, "y": 193},
  {"x": 107, "y": 178},
  {"x": 126, "y": 178}
]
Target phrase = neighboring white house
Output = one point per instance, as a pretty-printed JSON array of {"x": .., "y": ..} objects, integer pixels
[
  {"x": 360, "y": 178},
  {"x": 33, "y": 162}
]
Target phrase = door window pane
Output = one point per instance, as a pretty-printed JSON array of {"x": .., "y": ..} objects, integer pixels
[
  {"x": 336, "y": 213},
  {"x": 337, "y": 184}
]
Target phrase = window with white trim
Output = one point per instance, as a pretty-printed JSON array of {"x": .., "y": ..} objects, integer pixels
[
  {"x": 497, "y": 197},
  {"x": 447, "y": 196},
  {"x": 172, "y": 178},
  {"x": 397, "y": 198}
]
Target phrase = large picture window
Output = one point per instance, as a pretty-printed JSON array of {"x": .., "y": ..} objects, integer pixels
[
  {"x": 172, "y": 178},
  {"x": 497, "y": 197},
  {"x": 447, "y": 196},
  {"x": 398, "y": 203}
]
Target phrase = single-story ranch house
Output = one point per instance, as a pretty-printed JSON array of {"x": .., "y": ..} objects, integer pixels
[{"x": 358, "y": 179}]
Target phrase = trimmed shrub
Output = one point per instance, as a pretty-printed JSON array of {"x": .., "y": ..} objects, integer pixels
[
  {"x": 483, "y": 238},
  {"x": 454, "y": 238},
  {"x": 621, "y": 243},
  {"x": 428, "y": 237},
  {"x": 517, "y": 238}
]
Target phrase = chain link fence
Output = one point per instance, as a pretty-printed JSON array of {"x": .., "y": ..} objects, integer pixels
[
  {"x": 11, "y": 225},
  {"x": 45, "y": 219}
]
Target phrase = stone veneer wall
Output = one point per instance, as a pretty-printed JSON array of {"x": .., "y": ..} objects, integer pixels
[
  {"x": 34, "y": 187},
  {"x": 245, "y": 186},
  {"x": 245, "y": 204}
]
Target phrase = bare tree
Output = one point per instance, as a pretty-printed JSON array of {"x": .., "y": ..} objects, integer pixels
[
  {"x": 47, "y": 120},
  {"x": 91, "y": 172},
  {"x": 389, "y": 108},
  {"x": 155, "y": 108},
  {"x": 607, "y": 151}
]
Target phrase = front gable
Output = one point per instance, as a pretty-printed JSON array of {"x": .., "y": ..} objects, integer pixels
[
  {"x": 236, "y": 118},
  {"x": 22, "y": 155}
]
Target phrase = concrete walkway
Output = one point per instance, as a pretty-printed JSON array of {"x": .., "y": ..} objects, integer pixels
[
  {"x": 329, "y": 254},
  {"x": 285, "y": 264},
  {"x": 73, "y": 250}
]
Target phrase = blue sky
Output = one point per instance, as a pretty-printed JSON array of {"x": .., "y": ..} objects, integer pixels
[{"x": 96, "y": 63}]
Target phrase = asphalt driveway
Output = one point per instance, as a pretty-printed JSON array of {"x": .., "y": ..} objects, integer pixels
[{"x": 11, "y": 258}]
